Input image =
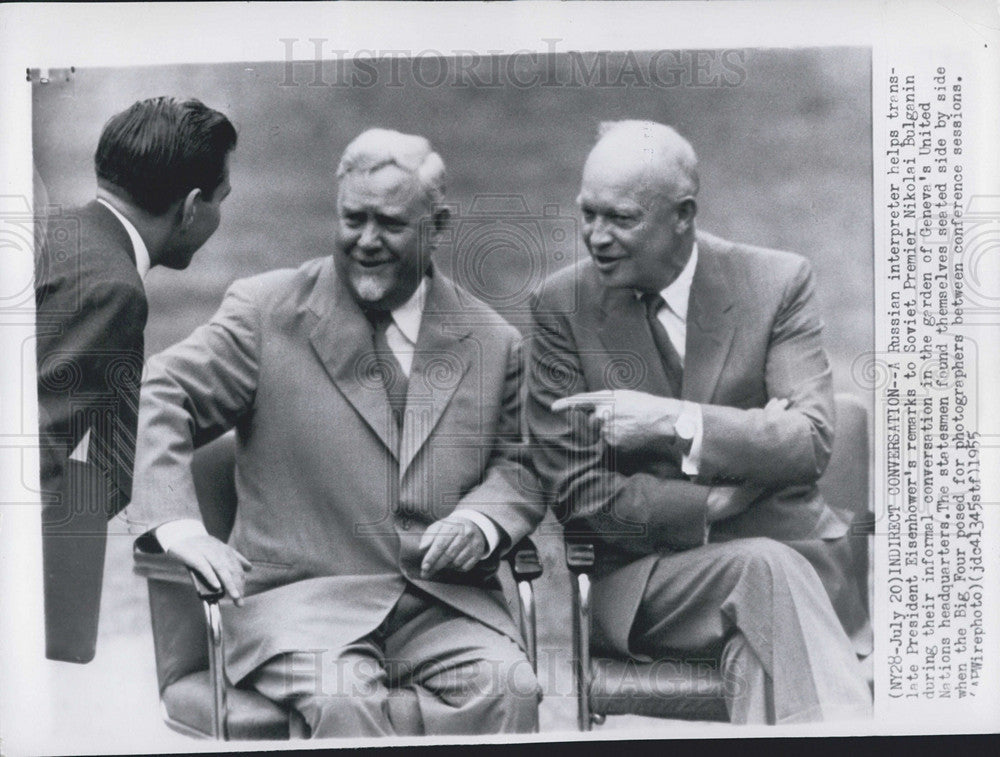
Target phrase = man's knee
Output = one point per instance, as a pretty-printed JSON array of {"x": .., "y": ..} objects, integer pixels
[
  {"x": 508, "y": 678},
  {"x": 762, "y": 554},
  {"x": 521, "y": 683},
  {"x": 338, "y": 715},
  {"x": 336, "y": 696},
  {"x": 519, "y": 694},
  {"x": 489, "y": 695}
]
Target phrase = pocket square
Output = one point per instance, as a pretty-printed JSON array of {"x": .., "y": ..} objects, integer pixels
[{"x": 81, "y": 453}]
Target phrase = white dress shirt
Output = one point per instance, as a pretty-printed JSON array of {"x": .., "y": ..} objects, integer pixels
[
  {"x": 673, "y": 316},
  {"x": 401, "y": 335}
]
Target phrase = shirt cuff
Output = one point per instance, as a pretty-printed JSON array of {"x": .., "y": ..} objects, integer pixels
[
  {"x": 691, "y": 462},
  {"x": 171, "y": 532},
  {"x": 487, "y": 526}
]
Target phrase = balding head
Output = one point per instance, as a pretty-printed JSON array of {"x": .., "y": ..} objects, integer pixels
[
  {"x": 378, "y": 148},
  {"x": 652, "y": 150},
  {"x": 638, "y": 204}
]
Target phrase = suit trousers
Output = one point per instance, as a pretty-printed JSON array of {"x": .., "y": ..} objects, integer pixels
[
  {"x": 758, "y": 607},
  {"x": 427, "y": 670}
]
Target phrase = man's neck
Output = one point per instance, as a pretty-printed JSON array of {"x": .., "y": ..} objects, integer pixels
[
  {"x": 152, "y": 229},
  {"x": 677, "y": 265}
]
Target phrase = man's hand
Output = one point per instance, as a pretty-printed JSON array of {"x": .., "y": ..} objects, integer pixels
[
  {"x": 629, "y": 420},
  {"x": 453, "y": 542},
  {"x": 217, "y": 563},
  {"x": 729, "y": 501}
]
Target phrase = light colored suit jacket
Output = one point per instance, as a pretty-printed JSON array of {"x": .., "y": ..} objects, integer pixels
[
  {"x": 332, "y": 496},
  {"x": 752, "y": 334}
]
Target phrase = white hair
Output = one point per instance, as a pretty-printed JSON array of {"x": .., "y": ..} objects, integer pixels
[
  {"x": 660, "y": 139},
  {"x": 377, "y": 148}
]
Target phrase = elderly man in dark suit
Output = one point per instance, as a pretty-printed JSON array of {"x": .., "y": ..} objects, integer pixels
[
  {"x": 378, "y": 471},
  {"x": 681, "y": 406},
  {"x": 162, "y": 174}
]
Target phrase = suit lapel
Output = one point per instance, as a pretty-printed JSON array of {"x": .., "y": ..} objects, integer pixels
[
  {"x": 710, "y": 325},
  {"x": 342, "y": 339},
  {"x": 442, "y": 357},
  {"x": 625, "y": 334}
]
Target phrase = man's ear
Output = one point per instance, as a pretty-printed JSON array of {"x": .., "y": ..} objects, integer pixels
[
  {"x": 189, "y": 208},
  {"x": 686, "y": 211},
  {"x": 441, "y": 218}
]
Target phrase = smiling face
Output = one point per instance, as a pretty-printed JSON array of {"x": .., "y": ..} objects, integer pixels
[
  {"x": 379, "y": 252},
  {"x": 637, "y": 226}
]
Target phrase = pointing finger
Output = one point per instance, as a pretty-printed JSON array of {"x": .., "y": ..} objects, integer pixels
[{"x": 582, "y": 401}]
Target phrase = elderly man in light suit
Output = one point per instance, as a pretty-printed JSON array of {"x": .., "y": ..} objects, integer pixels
[
  {"x": 378, "y": 470},
  {"x": 681, "y": 406}
]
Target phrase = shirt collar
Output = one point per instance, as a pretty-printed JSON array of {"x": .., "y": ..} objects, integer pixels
[
  {"x": 677, "y": 294},
  {"x": 142, "y": 262},
  {"x": 407, "y": 316}
]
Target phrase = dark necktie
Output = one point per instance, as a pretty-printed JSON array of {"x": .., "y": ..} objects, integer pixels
[
  {"x": 672, "y": 364},
  {"x": 388, "y": 366}
]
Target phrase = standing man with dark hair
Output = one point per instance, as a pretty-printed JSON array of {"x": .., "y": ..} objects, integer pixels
[{"x": 162, "y": 173}]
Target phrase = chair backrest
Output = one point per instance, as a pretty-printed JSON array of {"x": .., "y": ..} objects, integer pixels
[
  {"x": 177, "y": 615},
  {"x": 845, "y": 484}
]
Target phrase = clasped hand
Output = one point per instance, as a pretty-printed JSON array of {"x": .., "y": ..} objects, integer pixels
[{"x": 629, "y": 420}]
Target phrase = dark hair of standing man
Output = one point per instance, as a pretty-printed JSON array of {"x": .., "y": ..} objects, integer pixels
[{"x": 159, "y": 149}]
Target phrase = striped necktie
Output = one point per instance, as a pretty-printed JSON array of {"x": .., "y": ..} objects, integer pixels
[
  {"x": 390, "y": 370},
  {"x": 671, "y": 360}
]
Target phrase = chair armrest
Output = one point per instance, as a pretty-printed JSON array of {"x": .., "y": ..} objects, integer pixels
[
  {"x": 151, "y": 562},
  {"x": 863, "y": 524},
  {"x": 580, "y": 557},
  {"x": 524, "y": 561},
  {"x": 526, "y": 566},
  {"x": 580, "y": 562}
]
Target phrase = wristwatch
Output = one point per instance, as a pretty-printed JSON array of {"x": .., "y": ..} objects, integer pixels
[{"x": 685, "y": 428}]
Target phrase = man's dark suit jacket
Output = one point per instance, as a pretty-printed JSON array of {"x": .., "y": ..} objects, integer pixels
[
  {"x": 752, "y": 334},
  {"x": 90, "y": 315}
]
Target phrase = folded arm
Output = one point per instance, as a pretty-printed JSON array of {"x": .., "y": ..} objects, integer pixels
[{"x": 774, "y": 446}]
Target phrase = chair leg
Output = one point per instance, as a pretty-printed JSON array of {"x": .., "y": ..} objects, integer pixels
[
  {"x": 581, "y": 650},
  {"x": 528, "y": 625},
  {"x": 216, "y": 668},
  {"x": 529, "y": 631}
]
